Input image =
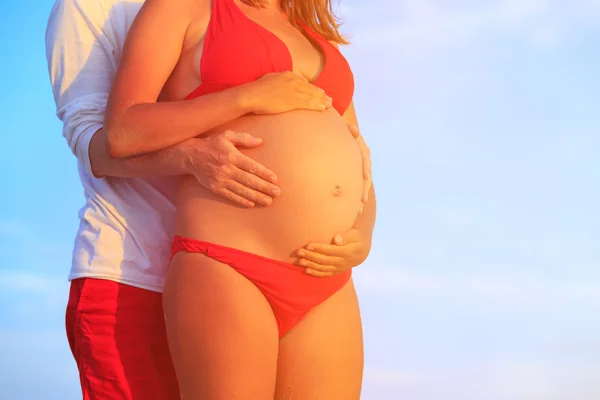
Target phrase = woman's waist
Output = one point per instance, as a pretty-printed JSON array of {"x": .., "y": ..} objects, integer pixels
[
  {"x": 318, "y": 184},
  {"x": 319, "y": 169},
  {"x": 290, "y": 124},
  {"x": 304, "y": 148},
  {"x": 290, "y": 222}
]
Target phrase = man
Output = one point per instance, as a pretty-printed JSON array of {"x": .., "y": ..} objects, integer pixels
[{"x": 114, "y": 316}]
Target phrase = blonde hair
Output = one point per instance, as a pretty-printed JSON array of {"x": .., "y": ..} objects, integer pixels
[{"x": 317, "y": 14}]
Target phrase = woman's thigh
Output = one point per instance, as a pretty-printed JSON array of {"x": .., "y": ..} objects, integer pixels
[
  {"x": 221, "y": 330},
  {"x": 321, "y": 358}
]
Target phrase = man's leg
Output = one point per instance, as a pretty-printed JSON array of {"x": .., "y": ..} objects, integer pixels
[{"x": 118, "y": 339}]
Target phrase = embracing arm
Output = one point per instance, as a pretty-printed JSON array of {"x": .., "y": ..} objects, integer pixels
[
  {"x": 81, "y": 38},
  {"x": 135, "y": 123},
  {"x": 169, "y": 161}
]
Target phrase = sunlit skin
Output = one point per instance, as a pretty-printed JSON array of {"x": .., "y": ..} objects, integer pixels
[{"x": 222, "y": 332}]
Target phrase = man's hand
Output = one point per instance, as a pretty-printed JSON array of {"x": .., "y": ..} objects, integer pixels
[
  {"x": 346, "y": 251},
  {"x": 221, "y": 168},
  {"x": 366, "y": 157}
]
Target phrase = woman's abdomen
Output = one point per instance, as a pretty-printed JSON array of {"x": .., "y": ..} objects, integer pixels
[{"x": 319, "y": 169}]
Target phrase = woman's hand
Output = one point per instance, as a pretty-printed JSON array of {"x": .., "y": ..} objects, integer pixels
[
  {"x": 346, "y": 251},
  {"x": 279, "y": 92},
  {"x": 366, "y": 158}
]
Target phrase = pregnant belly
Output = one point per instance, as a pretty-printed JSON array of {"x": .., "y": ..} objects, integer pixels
[{"x": 319, "y": 167}]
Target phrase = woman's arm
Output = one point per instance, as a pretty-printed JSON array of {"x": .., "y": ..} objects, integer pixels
[
  {"x": 351, "y": 121},
  {"x": 134, "y": 122},
  {"x": 366, "y": 220},
  {"x": 351, "y": 248},
  {"x": 365, "y": 224}
]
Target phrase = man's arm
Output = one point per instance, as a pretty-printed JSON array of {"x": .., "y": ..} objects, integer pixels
[
  {"x": 80, "y": 50},
  {"x": 170, "y": 161},
  {"x": 81, "y": 47}
]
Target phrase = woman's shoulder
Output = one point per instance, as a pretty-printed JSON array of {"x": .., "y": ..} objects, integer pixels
[
  {"x": 189, "y": 6},
  {"x": 181, "y": 13}
]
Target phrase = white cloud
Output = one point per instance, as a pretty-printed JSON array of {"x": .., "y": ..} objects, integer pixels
[
  {"x": 415, "y": 24},
  {"x": 538, "y": 380},
  {"x": 14, "y": 229},
  {"x": 511, "y": 289},
  {"x": 390, "y": 377},
  {"x": 24, "y": 246},
  {"x": 517, "y": 380},
  {"x": 33, "y": 299},
  {"x": 387, "y": 383},
  {"x": 30, "y": 283},
  {"x": 36, "y": 364}
]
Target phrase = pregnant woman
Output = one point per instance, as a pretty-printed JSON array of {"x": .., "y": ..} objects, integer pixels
[{"x": 244, "y": 320}]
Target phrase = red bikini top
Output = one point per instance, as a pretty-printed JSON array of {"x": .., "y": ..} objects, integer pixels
[{"x": 238, "y": 50}]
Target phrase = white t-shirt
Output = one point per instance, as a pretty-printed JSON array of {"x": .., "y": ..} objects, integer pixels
[{"x": 126, "y": 225}]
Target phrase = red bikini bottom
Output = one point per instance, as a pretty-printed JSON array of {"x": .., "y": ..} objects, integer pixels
[{"x": 289, "y": 290}]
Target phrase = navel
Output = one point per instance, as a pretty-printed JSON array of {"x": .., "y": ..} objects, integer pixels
[{"x": 337, "y": 191}]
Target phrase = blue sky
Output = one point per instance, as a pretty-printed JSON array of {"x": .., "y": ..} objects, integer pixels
[{"x": 484, "y": 279}]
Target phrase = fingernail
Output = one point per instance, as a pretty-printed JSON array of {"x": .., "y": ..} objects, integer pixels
[
  {"x": 309, "y": 271},
  {"x": 275, "y": 192},
  {"x": 266, "y": 200},
  {"x": 339, "y": 240},
  {"x": 310, "y": 247},
  {"x": 302, "y": 262},
  {"x": 301, "y": 253},
  {"x": 273, "y": 178}
]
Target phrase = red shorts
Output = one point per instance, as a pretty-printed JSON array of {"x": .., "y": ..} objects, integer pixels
[{"x": 118, "y": 338}]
